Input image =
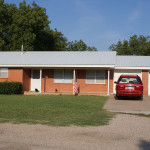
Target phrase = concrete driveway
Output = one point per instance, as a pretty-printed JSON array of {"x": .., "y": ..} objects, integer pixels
[{"x": 128, "y": 105}]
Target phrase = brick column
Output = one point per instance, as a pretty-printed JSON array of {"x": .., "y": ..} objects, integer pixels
[{"x": 145, "y": 81}]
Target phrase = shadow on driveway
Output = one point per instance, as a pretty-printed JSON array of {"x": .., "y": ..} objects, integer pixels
[
  {"x": 144, "y": 145},
  {"x": 127, "y": 98}
]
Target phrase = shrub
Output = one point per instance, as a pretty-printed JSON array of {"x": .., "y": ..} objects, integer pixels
[{"x": 10, "y": 88}]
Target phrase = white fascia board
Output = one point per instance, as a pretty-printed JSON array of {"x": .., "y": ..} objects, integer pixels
[
  {"x": 135, "y": 68},
  {"x": 59, "y": 66}
]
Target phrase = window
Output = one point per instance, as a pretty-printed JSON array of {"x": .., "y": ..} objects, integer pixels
[
  {"x": 132, "y": 80},
  {"x": 3, "y": 72},
  {"x": 36, "y": 74},
  {"x": 62, "y": 76},
  {"x": 95, "y": 76}
]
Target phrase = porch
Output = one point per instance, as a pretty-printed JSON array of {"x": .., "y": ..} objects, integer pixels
[{"x": 56, "y": 81}]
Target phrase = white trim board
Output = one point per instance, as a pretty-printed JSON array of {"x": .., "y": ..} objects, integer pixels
[
  {"x": 135, "y": 68},
  {"x": 75, "y": 66}
]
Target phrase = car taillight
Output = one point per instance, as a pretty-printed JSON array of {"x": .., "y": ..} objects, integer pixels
[
  {"x": 139, "y": 87},
  {"x": 120, "y": 87}
]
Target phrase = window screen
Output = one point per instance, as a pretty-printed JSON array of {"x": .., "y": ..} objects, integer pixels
[
  {"x": 95, "y": 77},
  {"x": 3, "y": 72},
  {"x": 36, "y": 74},
  {"x": 62, "y": 76}
]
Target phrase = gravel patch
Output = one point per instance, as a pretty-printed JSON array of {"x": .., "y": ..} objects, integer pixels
[{"x": 125, "y": 132}]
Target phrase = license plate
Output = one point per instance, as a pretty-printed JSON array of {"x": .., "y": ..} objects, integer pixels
[{"x": 129, "y": 88}]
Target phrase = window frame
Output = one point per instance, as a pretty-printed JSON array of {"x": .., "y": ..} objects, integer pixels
[
  {"x": 4, "y": 71},
  {"x": 95, "y": 77},
  {"x": 63, "y": 76}
]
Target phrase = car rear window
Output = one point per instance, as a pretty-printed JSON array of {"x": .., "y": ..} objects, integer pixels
[{"x": 132, "y": 80}]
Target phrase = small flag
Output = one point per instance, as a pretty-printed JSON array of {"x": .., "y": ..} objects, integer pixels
[{"x": 75, "y": 88}]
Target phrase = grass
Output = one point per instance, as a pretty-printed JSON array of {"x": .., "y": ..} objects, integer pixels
[{"x": 62, "y": 110}]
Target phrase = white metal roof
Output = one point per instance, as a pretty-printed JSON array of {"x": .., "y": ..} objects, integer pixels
[
  {"x": 72, "y": 59},
  {"x": 57, "y": 58},
  {"x": 132, "y": 61}
]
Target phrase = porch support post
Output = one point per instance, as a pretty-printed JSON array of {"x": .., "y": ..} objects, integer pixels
[
  {"x": 148, "y": 82},
  {"x": 41, "y": 80},
  {"x": 108, "y": 82},
  {"x": 74, "y": 71}
]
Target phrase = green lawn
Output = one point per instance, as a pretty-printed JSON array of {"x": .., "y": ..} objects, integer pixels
[{"x": 62, "y": 110}]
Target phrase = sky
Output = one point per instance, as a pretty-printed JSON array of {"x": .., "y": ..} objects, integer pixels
[{"x": 98, "y": 23}]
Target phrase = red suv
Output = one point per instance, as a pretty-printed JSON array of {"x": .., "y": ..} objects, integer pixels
[{"x": 129, "y": 85}]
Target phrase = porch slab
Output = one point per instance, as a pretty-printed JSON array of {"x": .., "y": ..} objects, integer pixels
[
  {"x": 63, "y": 93},
  {"x": 47, "y": 93}
]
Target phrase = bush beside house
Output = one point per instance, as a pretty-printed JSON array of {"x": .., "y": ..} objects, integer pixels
[{"x": 8, "y": 88}]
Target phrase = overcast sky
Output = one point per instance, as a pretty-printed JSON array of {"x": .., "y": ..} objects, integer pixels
[{"x": 98, "y": 23}]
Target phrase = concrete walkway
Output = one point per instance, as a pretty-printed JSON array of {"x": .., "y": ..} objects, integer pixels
[{"x": 133, "y": 106}]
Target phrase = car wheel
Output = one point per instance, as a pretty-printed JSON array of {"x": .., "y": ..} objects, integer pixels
[
  {"x": 141, "y": 97},
  {"x": 116, "y": 97}
]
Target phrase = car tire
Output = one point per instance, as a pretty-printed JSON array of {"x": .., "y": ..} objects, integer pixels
[
  {"x": 141, "y": 97},
  {"x": 116, "y": 97}
]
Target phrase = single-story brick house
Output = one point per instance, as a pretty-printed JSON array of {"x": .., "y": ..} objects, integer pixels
[{"x": 54, "y": 71}]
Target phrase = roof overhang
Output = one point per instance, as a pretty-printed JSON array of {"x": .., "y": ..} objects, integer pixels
[
  {"x": 58, "y": 66},
  {"x": 135, "y": 68}
]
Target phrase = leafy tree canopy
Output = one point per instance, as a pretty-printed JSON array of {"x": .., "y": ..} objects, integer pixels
[
  {"x": 79, "y": 46},
  {"x": 137, "y": 45},
  {"x": 28, "y": 25}
]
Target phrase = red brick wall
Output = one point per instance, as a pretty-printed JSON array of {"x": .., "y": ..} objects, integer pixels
[
  {"x": 3, "y": 79},
  {"x": 145, "y": 81},
  {"x": 26, "y": 79},
  {"x": 95, "y": 88},
  {"x": 24, "y": 76},
  {"x": 49, "y": 85},
  {"x": 111, "y": 82},
  {"x": 15, "y": 75},
  {"x": 19, "y": 75}
]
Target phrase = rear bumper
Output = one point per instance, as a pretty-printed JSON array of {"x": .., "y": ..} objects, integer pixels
[{"x": 133, "y": 93}]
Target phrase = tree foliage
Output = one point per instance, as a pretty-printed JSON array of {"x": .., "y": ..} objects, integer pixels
[
  {"x": 137, "y": 45},
  {"x": 79, "y": 46},
  {"x": 28, "y": 25}
]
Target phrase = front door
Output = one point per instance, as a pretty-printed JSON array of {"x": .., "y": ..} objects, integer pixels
[{"x": 36, "y": 80}]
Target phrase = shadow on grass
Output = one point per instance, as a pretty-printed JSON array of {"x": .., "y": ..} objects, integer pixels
[{"x": 144, "y": 145}]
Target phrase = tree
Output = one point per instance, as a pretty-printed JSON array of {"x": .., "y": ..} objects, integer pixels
[
  {"x": 135, "y": 46},
  {"x": 79, "y": 46},
  {"x": 28, "y": 26}
]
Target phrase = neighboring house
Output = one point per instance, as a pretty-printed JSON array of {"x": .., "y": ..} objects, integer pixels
[{"x": 54, "y": 71}]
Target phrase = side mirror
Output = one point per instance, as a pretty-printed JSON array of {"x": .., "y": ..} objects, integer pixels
[{"x": 115, "y": 82}]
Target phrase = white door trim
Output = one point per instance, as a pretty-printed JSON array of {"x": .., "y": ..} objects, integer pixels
[
  {"x": 41, "y": 80},
  {"x": 33, "y": 82}
]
